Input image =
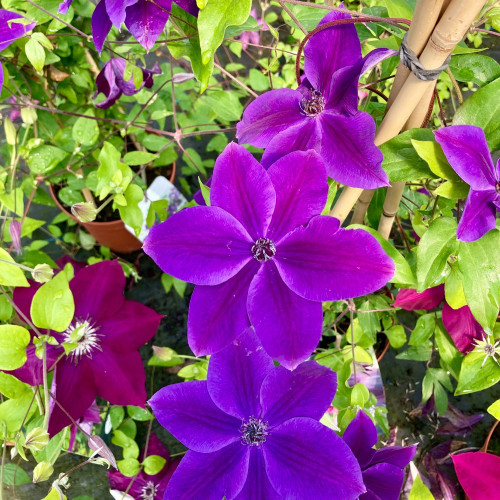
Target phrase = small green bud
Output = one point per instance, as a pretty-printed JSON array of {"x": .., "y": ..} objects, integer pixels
[
  {"x": 42, "y": 273},
  {"x": 84, "y": 212},
  {"x": 29, "y": 116},
  {"x": 10, "y": 132},
  {"x": 42, "y": 472},
  {"x": 37, "y": 439}
]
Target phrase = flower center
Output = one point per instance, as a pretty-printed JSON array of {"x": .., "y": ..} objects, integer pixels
[
  {"x": 254, "y": 431},
  {"x": 84, "y": 334},
  {"x": 263, "y": 249},
  {"x": 497, "y": 187},
  {"x": 314, "y": 105},
  {"x": 489, "y": 350},
  {"x": 148, "y": 492}
]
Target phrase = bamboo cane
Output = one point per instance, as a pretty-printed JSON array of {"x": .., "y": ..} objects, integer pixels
[{"x": 449, "y": 31}]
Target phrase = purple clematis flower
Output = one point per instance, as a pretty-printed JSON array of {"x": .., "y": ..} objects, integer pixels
[
  {"x": 383, "y": 469},
  {"x": 478, "y": 474},
  {"x": 467, "y": 151},
  {"x": 111, "y": 82},
  {"x": 144, "y": 19},
  {"x": 463, "y": 328},
  {"x": 253, "y": 433},
  {"x": 322, "y": 114},
  {"x": 110, "y": 330},
  {"x": 260, "y": 254},
  {"x": 144, "y": 486},
  {"x": 10, "y": 31}
]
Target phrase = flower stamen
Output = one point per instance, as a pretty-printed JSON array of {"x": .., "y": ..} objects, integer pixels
[
  {"x": 148, "y": 492},
  {"x": 489, "y": 349},
  {"x": 84, "y": 334},
  {"x": 263, "y": 249},
  {"x": 313, "y": 105},
  {"x": 254, "y": 431}
]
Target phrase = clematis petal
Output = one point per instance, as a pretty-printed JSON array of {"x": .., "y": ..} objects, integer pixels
[
  {"x": 349, "y": 152},
  {"x": 31, "y": 372},
  {"x": 187, "y": 411},
  {"x": 64, "y": 6},
  {"x": 361, "y": 436},
  {"x": 467, "y": 151},
  {"x": 135, "y": 322},
  {"x": 210, "y": 476},
  {"x": 327, "y": 469},
  {"x": 107, "y": 83},
  {"x": 116, "y": 10},
  {"x": 300, "y": 182},
  {"x": 257, "y": 485},
  {"x": 411, "y": 300},
  {"x": 218, "y": 314},
  {"x": 241, "y": 187},
  {"x": 146, "y": 20},
  {"x": 330, "y": 50},
  {"x": 400, "y": 456},
  {"x": 1, "y": 77},
  {"x": 74, "y": 391},
  {"x": 268, "y": 115},
  {"x": 307, "y": 391},
  {"x": 189, "y": 6},
  {"x": 325, "y": 262},
  {"x": 288, "y": 326},
  {"x": 478, "y": 216},
  {"x": 202, "y": 245},
  {"x": 98, "y": 290},
  {"x": 10, "y": 29},
  {"x": 120, "y": 377},
  {"x": 478, "y": 474},
  {"x": 462, "y": 327},
  {"x": 383, "y": 482},
  {"x": 23, "y": 297},
  {"x": 302, "y": 136},
  {"x": 101, "y": 25},
  {"x": 236, "y": 374}
]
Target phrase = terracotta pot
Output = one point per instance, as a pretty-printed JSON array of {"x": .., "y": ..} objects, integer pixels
[{"x": 111, "y": 234}]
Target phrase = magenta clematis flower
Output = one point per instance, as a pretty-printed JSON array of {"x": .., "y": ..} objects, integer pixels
[
  {"x": 10, "y": 31},
  {"x": 478, "y": 474},
  {"x": 463, "y": 328},
  {"x": 260, "y": 254},
  {"x": 144, "y": 486},
  {"x": 85, "y": 422},
  {"x": 112, "y": 84},
  {"x": 322, "y": 114},
  {"x": 383, "y": 469},
  {"x": 109, "y": 331},
  {"x": 253, "y": 433},
  {"x": 144, "y": 19},
  {"x": 467, "y": 151}
]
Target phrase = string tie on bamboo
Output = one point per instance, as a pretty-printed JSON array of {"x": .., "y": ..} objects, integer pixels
[{"x": 410, "y": 60}]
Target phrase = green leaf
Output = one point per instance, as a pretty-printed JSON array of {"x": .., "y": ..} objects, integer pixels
[
  {"x": 403, "y": 275},
  {"x": 399, "y": 8},
  {"x": 435, "y": 247},
  {"x": 396, "y": 335},
  {"x": 419, "y": 491},
  {"x": 140, "y": 414},
  {"x": 473, "y": 378},
  {"x": 423, "y": 329},
  {"x": 476, "y": 68},
  {"x": 10, "y": 274},
  {"x": 359, "y": 395},
  {"x": 13, "y": 475},
  {"x": 130, "y": 448},
  {"x": 454, "y": 288},
  {"x": 13, "y": 342},
  {"x": 226, "y": 105},
  {"x": 116, "y": 416},
  {"x": 44, "y": 159},
  {"x": 86, "y": 131},
  {"x": 53, "y": 306},
  {"x": 35, "y": 54},
  {"x": 129, "y": 467},
  {"x": 417, "y": 353},
  {"x": 494, "y": 409},
  {"x": 153, "y": 464},
  {"x": 453, "y": 190},
  {"x": 483, "y": 110},
  {"x": 432, "y": 153},
  {"x": 213, "y": 21},
  {"x": 448, "y": 352},
  {"x": 480, "y": 267},
  {"x": 139, "y": 158},
  {"x": 401, "y": 161},
  {"x": 131, "y": 214}
]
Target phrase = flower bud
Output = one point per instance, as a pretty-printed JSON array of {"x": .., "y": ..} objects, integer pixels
[
  {"x": 37, "y": 439},
  {"x": 42, "y": 472},
  {"x": 84, "y": 212},
  {"x": 10, "y": 132},
  {"x": 29, "y": 115},
  {"x": 42, "y": 273},
  {"x": 15, "y": 234}
]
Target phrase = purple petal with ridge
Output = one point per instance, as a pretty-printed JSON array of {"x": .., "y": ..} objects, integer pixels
[
  {"x": 305, "y": 459},
  {"x": 325, "y": 262},
  {"x": 307, "y": 391},
  {"x": 241, "y": 187},
  {"x": 479, "y": 215},
  {"x": 257, "y": 485},
  {"x": 301, "y": 186},
  {"x": 187, "y": 411},
  {"x": 189, "y": 6},
  {"x": 236, "y": 374},
  {"x": 462, "y": 327},
  {"x": 116, "y": 10},
  {"x": 383, "y": 482},
  {"x": 288, "y": 326},
  {"x": 101, "y": 25},
  {"x": 361, "y": 436},
  {"x": 411, "y": 300},
  {"x": 202, "y": 245}
]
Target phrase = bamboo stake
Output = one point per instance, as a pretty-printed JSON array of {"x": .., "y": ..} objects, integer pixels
[
  {"x": 358, "y": 216},
  {"x": 449, "y": 31}
]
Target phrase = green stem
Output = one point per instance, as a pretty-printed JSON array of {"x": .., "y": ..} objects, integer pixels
[{"x": 45, "y": 387}]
